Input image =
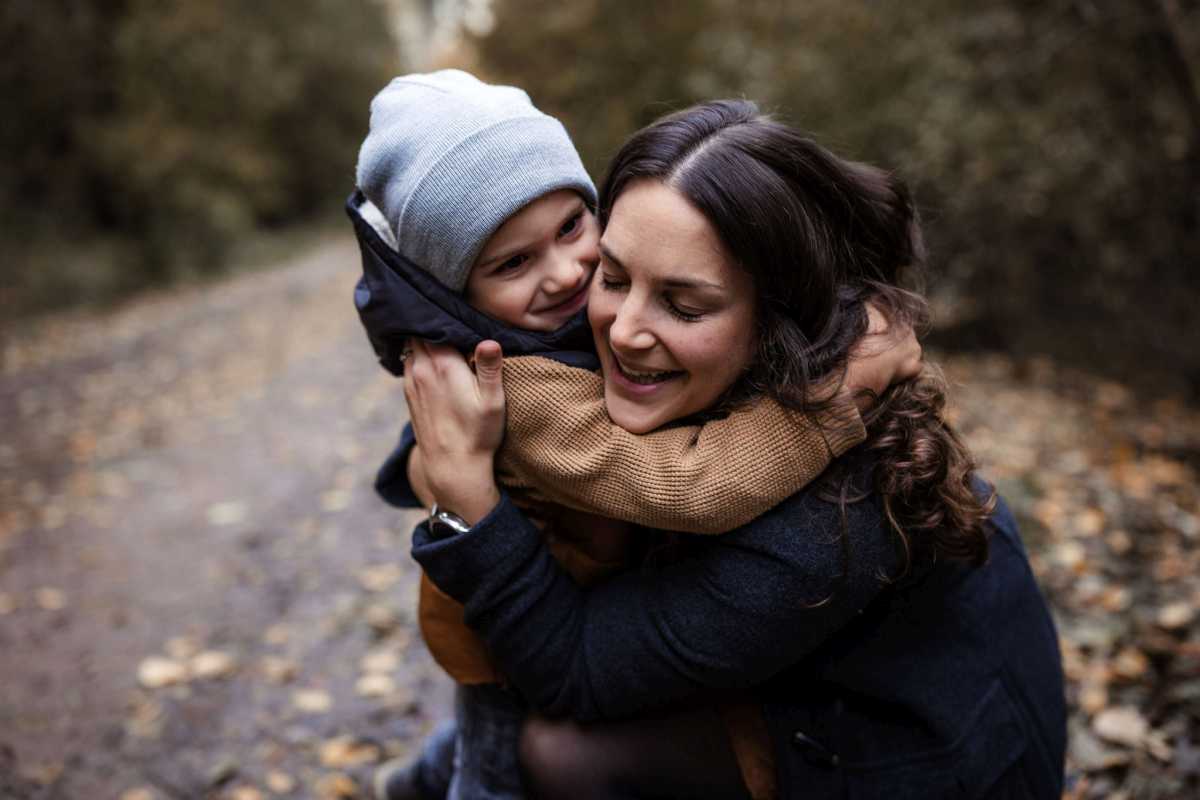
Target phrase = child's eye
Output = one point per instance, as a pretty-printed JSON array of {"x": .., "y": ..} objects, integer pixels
[
  {"x": 570, "y": 225},
  {"x": 511, "y": 264}
]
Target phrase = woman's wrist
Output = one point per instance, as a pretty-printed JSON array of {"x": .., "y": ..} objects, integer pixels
[{"x": 470, "y": 491}]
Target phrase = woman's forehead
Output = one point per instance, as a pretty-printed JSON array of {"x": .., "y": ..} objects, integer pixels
[{"x": 655, "y": 230}]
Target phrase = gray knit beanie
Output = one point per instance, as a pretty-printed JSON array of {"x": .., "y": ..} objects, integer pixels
[{"x": 450, "y": 158}]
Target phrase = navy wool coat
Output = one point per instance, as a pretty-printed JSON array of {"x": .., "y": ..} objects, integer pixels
[{"x": 944, "y": 685}]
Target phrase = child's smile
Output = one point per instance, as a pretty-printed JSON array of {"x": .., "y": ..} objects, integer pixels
[{"x": 534, "y": 271}]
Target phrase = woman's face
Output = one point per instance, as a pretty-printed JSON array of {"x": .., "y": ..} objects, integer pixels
[{"x": 672, "y": 316}]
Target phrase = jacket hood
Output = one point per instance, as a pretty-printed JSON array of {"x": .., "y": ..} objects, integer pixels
[{"x": 396, "y": 300}]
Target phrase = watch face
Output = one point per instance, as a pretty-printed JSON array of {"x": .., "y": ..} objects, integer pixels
[{"x": 445, "y": 523}]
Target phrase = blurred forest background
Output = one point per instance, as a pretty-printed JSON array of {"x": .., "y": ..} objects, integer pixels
[
  {"x": 1054, "y": 145},
  {"x": 200, "y": 594}
]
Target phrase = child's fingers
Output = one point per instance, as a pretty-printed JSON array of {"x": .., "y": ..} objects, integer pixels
[{"x": 489, "y": 370}]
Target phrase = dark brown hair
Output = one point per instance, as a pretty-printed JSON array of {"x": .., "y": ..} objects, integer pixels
[{"x": 822, "y": 235}]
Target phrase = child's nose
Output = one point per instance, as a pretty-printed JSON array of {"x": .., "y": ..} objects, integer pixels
[{"x": 564, "y": 273}]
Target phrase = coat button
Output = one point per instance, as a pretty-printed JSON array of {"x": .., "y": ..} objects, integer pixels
[
  {"x": 814, "y": 752},
  {"x": 362, "y": 296}
]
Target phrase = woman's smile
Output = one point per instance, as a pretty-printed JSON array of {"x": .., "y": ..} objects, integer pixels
[
  {"x": 671, "y": 315},
  {"x": 641, "y": 382}
]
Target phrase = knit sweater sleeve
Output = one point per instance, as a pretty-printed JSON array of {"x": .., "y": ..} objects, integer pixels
[{"x": 712, "y": 477}]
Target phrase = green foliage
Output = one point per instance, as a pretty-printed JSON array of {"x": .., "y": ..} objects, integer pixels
[
  {"x": 167, "y": 131},
  {"x": 1054, "y": 146}
]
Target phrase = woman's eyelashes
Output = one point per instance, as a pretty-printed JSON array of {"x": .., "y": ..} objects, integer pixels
[
  {"x": 611, "y": 282},
  {"x": 682, "y": 314},
  {"x": 614, "y": 283}
]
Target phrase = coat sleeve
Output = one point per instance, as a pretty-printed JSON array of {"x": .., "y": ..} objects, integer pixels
[
  {"x": 710, "y": 477},
  {"x": 391, "y": 482},
  {"x": 743, "y": 607}
]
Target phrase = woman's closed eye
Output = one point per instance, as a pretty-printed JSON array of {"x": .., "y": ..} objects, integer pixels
[
  {"x": 682, "y": 312},
  {"x": 612, "y": 283}
]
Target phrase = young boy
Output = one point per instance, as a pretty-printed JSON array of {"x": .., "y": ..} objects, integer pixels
[{"x": 474, "y": 214}]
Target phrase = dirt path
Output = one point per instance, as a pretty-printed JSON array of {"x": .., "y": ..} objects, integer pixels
[
  {"x": 201, "y": 596},
  {"x": 192, "y": 474}
]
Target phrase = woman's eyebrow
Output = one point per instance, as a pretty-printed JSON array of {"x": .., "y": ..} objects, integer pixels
[
  {"x": 673, "y": 283},
  {"x": 611, "y": 256}
]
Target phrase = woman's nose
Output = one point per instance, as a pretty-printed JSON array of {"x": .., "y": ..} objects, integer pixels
[{"x": 629, "y": 329}]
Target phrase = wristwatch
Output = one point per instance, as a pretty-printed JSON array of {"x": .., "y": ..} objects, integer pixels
[{"x": 443, "y": 523}]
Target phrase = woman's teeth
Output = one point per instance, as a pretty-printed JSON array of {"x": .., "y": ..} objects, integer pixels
[{"x": 637, "y": 376}]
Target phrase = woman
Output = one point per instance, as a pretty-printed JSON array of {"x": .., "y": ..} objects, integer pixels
[{"x": 887, "y": 621}]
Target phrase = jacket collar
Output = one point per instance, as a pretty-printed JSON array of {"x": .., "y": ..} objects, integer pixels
[{"x": 397, "y": 300}]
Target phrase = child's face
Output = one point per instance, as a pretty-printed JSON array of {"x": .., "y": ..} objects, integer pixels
[{"x": 535, "y": 270}]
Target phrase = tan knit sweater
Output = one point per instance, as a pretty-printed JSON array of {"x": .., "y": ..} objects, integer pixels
[
  {"x": 713, "y": 477},
  {"x": 561, "y": 449}
]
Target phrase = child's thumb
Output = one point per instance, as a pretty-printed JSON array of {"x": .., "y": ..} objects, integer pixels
[{"x": 489, "y": 364}]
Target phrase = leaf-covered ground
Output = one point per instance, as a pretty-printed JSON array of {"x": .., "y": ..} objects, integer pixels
[{"x": 201, "y": 597}]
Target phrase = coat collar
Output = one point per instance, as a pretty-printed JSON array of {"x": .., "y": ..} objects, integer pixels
[{"x": 397, "y": 300}]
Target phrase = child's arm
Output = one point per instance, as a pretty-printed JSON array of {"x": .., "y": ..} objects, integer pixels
[{"x": 707, "y": 478}]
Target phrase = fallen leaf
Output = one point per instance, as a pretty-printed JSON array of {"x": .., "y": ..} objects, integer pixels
[
  {"x": 345, "y": 751},
  {"x": 1116, "y": 598},
  {"x": 228, "y": 513},
  {"x": 145, "y": 718},
  {"x": 1093, "y": 697},
  {"x": 213, "y": 664},
  {"x": 156, "y": 672},
  {"x": 1131, "y": 663},
  {"x": 7, "y": 604},
  {"x": 280, "y": 782},
  {"x": 1123, "y": 725},
  {"x": 1091, "y": 754},
  {"x": 380, "y": 661},
  {"x": 1070, "y": 555},
  {"x": 375, "y": 685},
  {"x": 277, "y": 635},
  {"x": 336, "y": 786},
  {"x": 335, "y": 500},
  {"x": 50, "y": 599},
  {"x": 381, "y": 618},
  {"x": 1176, "y": 615},
  {"x": 312, "y": 701},
  {"x": 278, "y": 670},
  {"x": 1157, "y": 746},
  {"x": 380, "y": 578},
  {"x": 182, "y": 648},
  {"x": 1119, "y": 542},
  {"x": 244, "y": 793},
  {"x": 140, "y": 793},
  {"x": 1089, "y": 521}
]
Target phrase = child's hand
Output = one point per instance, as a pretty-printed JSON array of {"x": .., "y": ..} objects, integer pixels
[
  {"x": 458, "y": 418},
  {"x": 886, "y": 354}
]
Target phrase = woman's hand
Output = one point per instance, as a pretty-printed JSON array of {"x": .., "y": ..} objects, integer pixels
[
  {"x": 458, "y": 418},
  {"x": 886, "y": 354}
]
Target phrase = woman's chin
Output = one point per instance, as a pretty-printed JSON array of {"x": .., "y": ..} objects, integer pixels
[{"x": 631, "y": 417}]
